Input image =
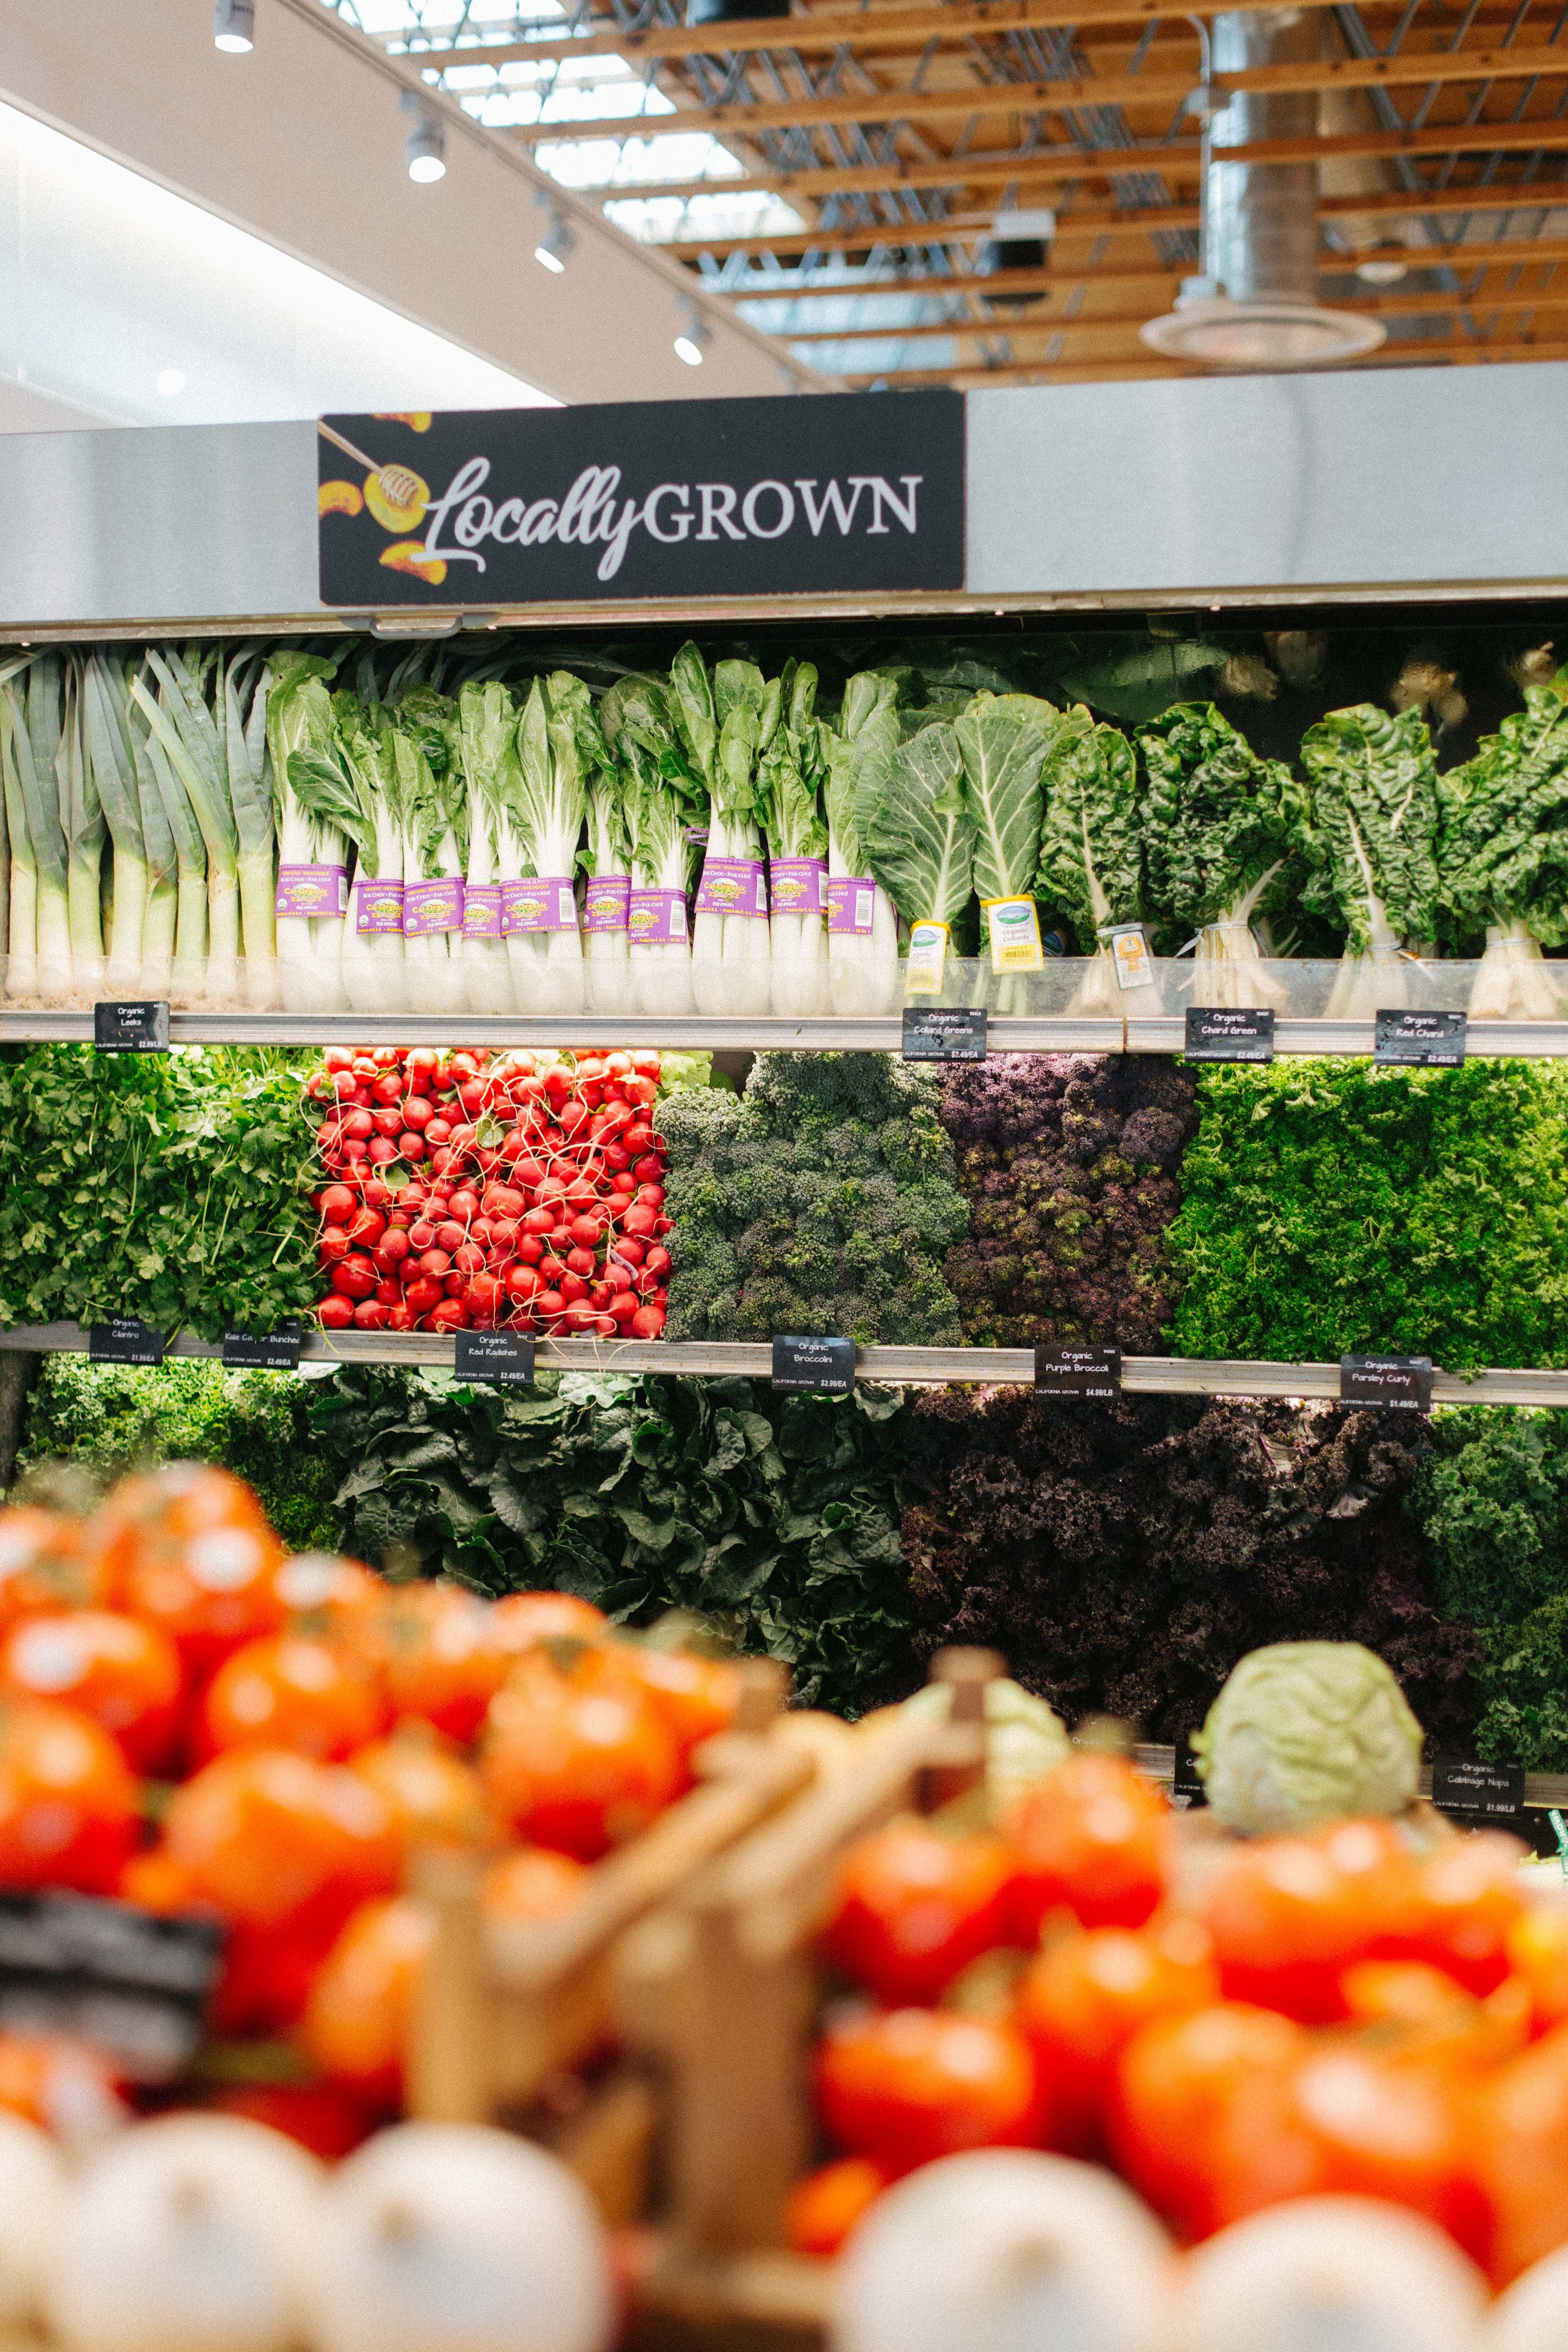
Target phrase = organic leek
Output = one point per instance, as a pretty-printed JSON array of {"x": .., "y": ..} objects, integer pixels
[
  {"x": 183, "y": 729},
  {"x": 113, "y": 763}
]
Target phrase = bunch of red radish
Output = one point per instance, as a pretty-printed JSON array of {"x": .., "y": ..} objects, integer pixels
[{"x": 470, "y": 1192}]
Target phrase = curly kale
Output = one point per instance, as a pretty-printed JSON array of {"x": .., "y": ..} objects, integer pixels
[
  {"x": 820, "y": 1202},
  {"x": 1331, "y": 1207},
  {"x": 1123, "y": 1558},
  {"x": 1068, "y": 1161}
]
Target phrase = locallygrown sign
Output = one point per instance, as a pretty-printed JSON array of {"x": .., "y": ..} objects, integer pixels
[{"x": 668, "y": 498}]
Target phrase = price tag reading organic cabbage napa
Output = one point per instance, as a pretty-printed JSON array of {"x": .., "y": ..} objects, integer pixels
[
  {"x": 1014, "y": 935},
  {"x": 927, "y": 953}
]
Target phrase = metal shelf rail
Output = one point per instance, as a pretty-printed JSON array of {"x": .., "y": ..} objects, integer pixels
[{"x": 902, "y": 1367}]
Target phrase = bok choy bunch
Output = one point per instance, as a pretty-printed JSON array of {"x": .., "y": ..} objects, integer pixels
[
  {"x": 661, "y": 796},
  {"x": 552, "y": 798},
  {"x": 789, "y": 770},
  {"x": 724, "y": 724},
  {"x": 300, "y": 727},
  {"x": 487, "y": 750},
  {"x": 426, "y": 747},
  {"x": 862, "y": 925}
]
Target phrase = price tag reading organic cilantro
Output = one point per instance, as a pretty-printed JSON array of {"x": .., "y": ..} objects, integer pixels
[
  {"x": 1395, "y": 1384},
  {"x": 141, "y": 1028},
  {"x": 124, "y": 1340}
]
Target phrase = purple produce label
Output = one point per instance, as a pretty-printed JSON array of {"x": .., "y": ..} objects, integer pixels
[
  {"x": 433, "y": 906},
  {"x": 733, "y": 886},
  {"x": 378, "y": 906},
  {"x": 656, "y": 916},
  {"x": 548, "y": 904},
  {"x": 604, "y": 907},
  {"x": 799, "y": 885},
  {"x": 313, "y": 890},
  {"x": 481, "y": 910},
  {"x": 851, "y": 903}
]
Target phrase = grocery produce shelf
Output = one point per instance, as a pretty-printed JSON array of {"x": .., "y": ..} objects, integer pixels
[
  {"x": 1006, "y": 1034},
  {"x": 900, "y": 1367},
  {"x": 1540, "y": 1788}
]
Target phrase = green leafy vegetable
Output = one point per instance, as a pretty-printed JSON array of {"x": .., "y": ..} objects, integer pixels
[{"x": 919, "y": 833}]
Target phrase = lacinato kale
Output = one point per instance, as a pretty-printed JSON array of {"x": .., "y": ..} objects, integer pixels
[
  {"x": 1068, "y": 1161},
  {"x": 1123, "y": 1558},
  {"x": 820, "y": 1204},
  {"x": 1331, "y": 1207}
]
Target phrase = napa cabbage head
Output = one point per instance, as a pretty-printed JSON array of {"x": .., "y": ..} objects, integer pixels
[{"x": 1304, "y": 1733}]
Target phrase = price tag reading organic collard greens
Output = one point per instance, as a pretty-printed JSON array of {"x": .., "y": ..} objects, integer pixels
[
  {"x": 123, "y": 1340},
  {"x": 1092, "y": 1372},
  {"x": 1484, "y": 1796},
  {"x": 1397, "y": 1383},
  {"x": 1429, "y": 1040},
  {"x": 1240, "y": 1032},
  {"x": 140, "y": 1028},
  {"x": 825, "y": 1366},
  {"x": 944, "y": 1033},
  {"x": 505, "y": 1357},
  {"x": 262, "y": 1351}
]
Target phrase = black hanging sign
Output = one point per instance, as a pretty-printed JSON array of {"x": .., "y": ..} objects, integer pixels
[
  {"x": 125, "y": 1980},
  {"x": 124, "y": 1339},
  {"x": 665, "y": 499},
  {"x": 943, "y": 1033},
  {"x": 505, "y": 1357},
  {"x": 1093, "y": 1372},
  {"x": 262, "y": 1351},
  {"x": 139, "y": 1028},
  {"x": 1397, "y": 1383},
  {"x": 1430, "y": 1040},
  {"x": 825, "y": 1366},
  {"x": 1489, "y": 1796},
  {"x": 1243, "y": 1033}
]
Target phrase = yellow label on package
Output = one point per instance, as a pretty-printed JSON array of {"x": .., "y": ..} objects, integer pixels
[
  {"x": 1130, "y": 950},
  {"x": 927, "y": 953},
  {"x": 1014, "y": 935}
]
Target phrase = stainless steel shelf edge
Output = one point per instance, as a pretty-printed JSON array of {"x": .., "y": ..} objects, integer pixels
[{"x": 1141, "y": 1375}]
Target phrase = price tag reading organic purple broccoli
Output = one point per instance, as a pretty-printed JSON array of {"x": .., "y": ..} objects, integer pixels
[
  {"x": 1396, "y": 1383},
  {"x": 1092, "y": 1372}
]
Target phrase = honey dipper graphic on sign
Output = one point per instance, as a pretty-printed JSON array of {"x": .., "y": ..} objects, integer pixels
[{"x": 397, "y": 498}]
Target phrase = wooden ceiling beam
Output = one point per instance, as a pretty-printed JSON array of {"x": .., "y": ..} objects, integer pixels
[
  {"x": 1133, "y": 370},
  {"x": 766, "y": 287},
  {"x": 1160, "y": 91},
  {"x": 1385, "y": 305}
]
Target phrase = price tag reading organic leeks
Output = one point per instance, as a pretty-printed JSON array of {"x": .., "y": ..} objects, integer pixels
[
  {"x": 928, "y": 954},
  {"x": 1014, "y": 928},
  {"x": 139, "y": 1028}
]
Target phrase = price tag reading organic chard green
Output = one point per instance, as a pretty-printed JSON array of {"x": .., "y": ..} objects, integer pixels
[
  {"x": 927, "y": 953},
  {"x": 1014, "y": 935}
]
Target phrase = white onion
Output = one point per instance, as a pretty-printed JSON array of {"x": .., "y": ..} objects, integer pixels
[
  {"x": 1005, "y": 2250},
  {"x": 455, "y": 2238},
  {"x": 1533, "y": 2316},
  {"x": 194, "y": 2233},
  {"x": 32, "y": 2181},
  {"x": 1330, "y": 2274}
]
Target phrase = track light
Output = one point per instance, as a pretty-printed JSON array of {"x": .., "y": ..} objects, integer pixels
[
  {"x": 233, "y": 26},
  {"x": 425, "y": 149},
  {"x": 554, "y": 247},
  {"x": 694, "y": 336}
]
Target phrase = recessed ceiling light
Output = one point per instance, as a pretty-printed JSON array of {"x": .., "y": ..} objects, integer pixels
[
  {"x": 171, "y": 382},
  {"x": 233, "y": 26}
]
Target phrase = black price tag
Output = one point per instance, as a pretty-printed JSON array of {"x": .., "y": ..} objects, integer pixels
[
  {"x": 124, "y": 1341},
  {"x": 1093, "y": 1372},
  {"x": 262, "y": 1351},
  {"x": 944, "y": 1033},
  {"x": 1186, "y": 1787},
  {"x": 505, "y": 1357},
  {"x": 826, "y": 1367},
  {"x": 126, "y": 1981},
  {"x": 1241, "y": 1032},
  {"x": 1430, "y": 1040},
  {"x": 1489, "y": 1796},
  {"x": 1397, "y": 1383},
  {"x": 131, "y": 1028}
]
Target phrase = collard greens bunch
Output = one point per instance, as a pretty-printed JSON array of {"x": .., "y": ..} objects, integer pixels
[
  {"x": 1068, "y": 1162},
  {"x": 776, "y": 1516},
  {"x": 821, "y": 1203}
]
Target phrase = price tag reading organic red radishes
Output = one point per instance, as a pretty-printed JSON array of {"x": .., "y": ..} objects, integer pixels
[{"x": 505, "y": 1357}]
